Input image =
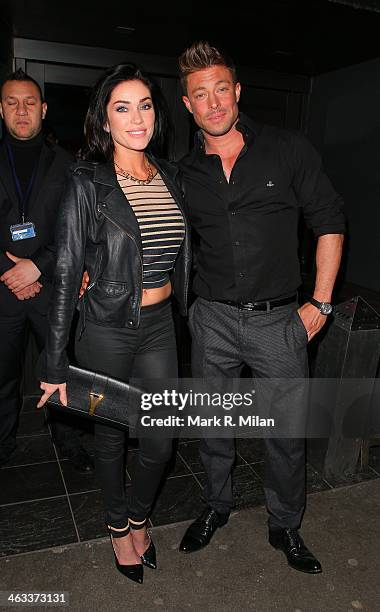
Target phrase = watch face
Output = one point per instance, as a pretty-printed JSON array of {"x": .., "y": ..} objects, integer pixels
[{"x": 326, "y": 308}]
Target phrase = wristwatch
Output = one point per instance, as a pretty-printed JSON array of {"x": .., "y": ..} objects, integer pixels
[{"x": 324, "y": 308}]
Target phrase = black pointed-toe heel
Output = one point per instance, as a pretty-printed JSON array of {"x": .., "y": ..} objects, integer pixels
[
  {"x": 149, "y": 557},
  {"x": 133, "y": 572}
]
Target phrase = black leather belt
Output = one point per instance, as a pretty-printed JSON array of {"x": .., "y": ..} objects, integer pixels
[{"x": 265, "y": 306}]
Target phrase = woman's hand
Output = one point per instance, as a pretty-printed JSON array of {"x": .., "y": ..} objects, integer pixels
[
  {"x": 85, "y": 281},
  {"x": 49, "y": 390}
]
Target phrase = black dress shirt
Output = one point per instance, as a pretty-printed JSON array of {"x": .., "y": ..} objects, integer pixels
[{"x": 247, "y": 227}]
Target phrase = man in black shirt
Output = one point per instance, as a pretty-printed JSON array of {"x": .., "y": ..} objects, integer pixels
[
  {"x": 32, "y": 174},
  {"x": 245, "y": 184}
]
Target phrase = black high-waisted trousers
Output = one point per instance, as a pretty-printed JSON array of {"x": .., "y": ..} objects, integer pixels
[{"x": 150, "y": 352}]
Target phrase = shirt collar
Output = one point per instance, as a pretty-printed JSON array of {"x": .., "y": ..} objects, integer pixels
[{"x": 248, "y": 128}]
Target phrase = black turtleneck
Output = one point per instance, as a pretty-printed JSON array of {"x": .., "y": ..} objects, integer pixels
[
  {"x": 26, "y": 154},
  {"x": 41, "y": 210}
]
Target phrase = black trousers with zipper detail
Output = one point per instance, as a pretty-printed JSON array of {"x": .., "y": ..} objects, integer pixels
[{"x": 148, "y": 351}]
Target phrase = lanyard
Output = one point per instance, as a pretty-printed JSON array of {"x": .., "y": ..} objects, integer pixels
[{"x": 23, "y": 197}]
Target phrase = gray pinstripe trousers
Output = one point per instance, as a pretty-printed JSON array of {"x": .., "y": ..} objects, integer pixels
[{"x": 273, "y": 344}]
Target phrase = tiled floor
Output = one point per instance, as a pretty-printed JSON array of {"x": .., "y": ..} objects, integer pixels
[{"x": 44, "y": 502}]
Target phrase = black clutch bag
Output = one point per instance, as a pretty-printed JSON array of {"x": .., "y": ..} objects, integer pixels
[{"x": 98, "y": 397}]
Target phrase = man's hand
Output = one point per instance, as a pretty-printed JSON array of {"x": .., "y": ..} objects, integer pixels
[
  {"x": 49, "y": 389},
  {"x": 84, "y": 285},
  {"x": 28, "y": 292},
  {"x": 23, "y": 273},
  {"x": 312, "y": 319}
]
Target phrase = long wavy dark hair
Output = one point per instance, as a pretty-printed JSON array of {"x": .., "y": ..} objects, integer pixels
[{"x": 99, "y": 145}]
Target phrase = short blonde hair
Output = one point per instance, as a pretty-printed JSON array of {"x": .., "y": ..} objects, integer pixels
[{"x": 202, "y": 55}]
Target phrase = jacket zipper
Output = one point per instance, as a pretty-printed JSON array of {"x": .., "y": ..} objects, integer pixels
[
  {"x": 138, "y": 251},
  {"x": 96, "y": 275}
]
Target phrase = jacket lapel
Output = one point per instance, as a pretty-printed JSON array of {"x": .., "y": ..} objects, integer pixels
[
  {"x": 113, "y": 203},
  {"x": 6, "y": 177}
]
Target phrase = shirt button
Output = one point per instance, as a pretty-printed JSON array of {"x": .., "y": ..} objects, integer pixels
[
  {"x": 233, "y": 213},
  {"x": 241, "y": 274},
  {"x": 130, "y": 323}
]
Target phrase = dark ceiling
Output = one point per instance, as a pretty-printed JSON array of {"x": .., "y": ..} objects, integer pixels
[{"x": 296, "y": 36}]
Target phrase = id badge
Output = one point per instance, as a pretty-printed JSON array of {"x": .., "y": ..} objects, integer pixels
[{"x": 22, "y": 231}]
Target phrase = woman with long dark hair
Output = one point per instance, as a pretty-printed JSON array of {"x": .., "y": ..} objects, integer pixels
[{"x": 122, "y": 220}]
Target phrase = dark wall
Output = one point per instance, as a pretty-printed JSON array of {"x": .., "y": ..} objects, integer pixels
[
  {"x": 5, "y": 49},
  {"x": 6, "y": 53},
  {"x": 344, "y": 124}
]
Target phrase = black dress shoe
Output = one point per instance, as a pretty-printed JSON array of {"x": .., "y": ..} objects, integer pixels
[
  {"x": 80, "y": 460},
  {"x": 299, "y": 557},
  {"x": 200, "y": 532}
]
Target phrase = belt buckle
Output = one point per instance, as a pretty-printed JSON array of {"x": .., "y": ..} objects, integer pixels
[{"x": 247, "y": 305}]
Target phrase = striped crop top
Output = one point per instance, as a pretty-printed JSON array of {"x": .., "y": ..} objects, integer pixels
[{"x": 161, "y": 226}]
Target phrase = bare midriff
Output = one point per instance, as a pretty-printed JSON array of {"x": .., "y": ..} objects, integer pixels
[{"x": 156, "y": 295}]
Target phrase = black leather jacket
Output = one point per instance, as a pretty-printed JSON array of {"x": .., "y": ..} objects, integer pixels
[{"x": 97, "y": 231}]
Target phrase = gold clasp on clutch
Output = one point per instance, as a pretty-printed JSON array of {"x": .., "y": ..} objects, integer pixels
[{"x": 95, "y": 399}]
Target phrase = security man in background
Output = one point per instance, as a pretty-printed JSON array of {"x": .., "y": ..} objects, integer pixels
[{"x": 32, "y": 174}]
